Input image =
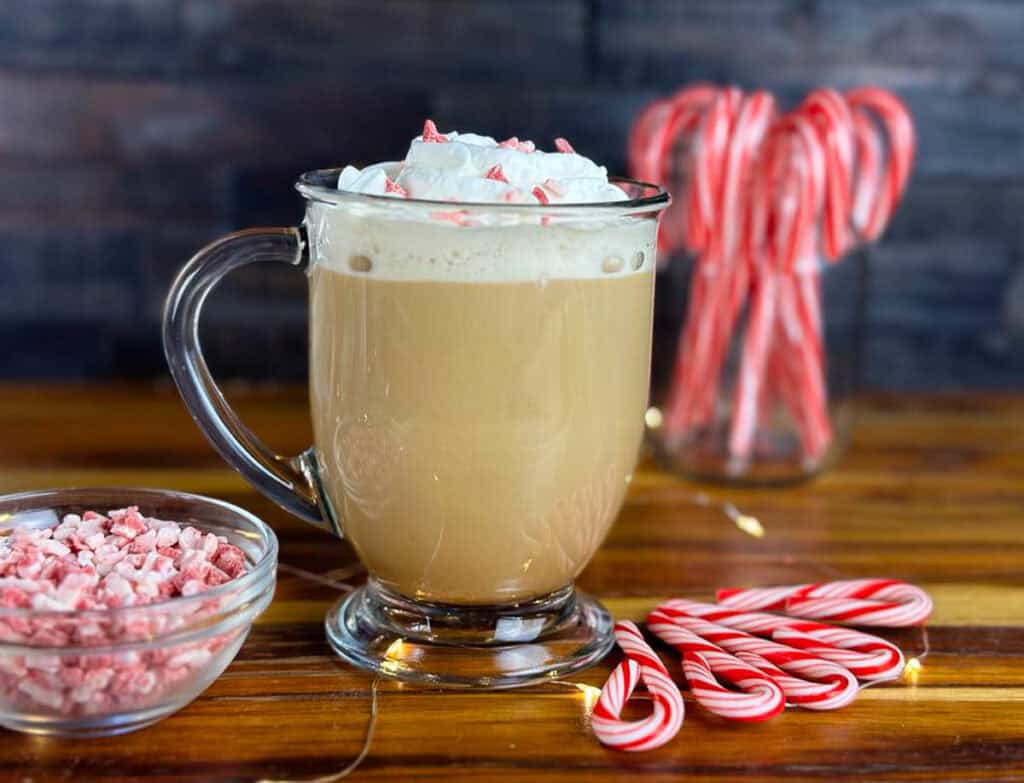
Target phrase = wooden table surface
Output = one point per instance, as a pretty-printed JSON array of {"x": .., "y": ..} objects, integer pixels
[{"x": 931, "y": 491}]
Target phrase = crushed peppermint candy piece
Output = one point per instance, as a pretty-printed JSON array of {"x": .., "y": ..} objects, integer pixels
[
  {"x": 70, "y": 573},
  {"x": 495, "y": 173},
  {"x": 431, "y": 134},
  {"x": 562, "y": 145},
  {"x": 390, "y": 186},
  {"x": 85, "y": 562}
]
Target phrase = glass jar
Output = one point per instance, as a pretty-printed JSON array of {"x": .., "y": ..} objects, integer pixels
[{"x": 734, "y": 401}]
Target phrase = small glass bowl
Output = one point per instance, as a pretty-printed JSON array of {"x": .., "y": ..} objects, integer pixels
[{"x": 99, "y": 672}]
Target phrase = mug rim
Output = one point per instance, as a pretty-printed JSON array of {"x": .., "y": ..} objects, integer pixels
[{"x": 312, "y": 185}]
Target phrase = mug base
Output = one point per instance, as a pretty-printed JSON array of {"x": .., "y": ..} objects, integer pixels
[{"x": 483, "y": 647}]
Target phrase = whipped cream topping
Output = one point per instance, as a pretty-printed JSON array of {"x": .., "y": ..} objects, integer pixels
[{"x": 469, "y": 168}]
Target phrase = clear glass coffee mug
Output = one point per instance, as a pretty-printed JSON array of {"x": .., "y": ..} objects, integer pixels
[{"x": 478, "y": 381}]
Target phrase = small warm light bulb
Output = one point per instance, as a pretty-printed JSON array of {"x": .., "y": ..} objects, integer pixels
[
  {"x": 653, "y": 418},
  {"x": 590, "y": 696},
  {"x": 911, "y": 670},
  {"x": 393, "y": 656},
  {"x": 750, "y": 525}
]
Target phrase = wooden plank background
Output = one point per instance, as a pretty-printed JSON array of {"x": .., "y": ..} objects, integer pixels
[{"x": 134, "y": 131}]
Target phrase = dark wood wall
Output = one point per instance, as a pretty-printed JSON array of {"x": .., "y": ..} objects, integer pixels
[{"x": 134, "y": 131}]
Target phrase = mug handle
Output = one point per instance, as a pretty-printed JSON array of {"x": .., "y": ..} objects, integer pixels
[{"x": 292, "y": 483}]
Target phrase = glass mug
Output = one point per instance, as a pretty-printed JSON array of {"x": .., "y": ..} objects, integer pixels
[{"x": 478, "y": 380}]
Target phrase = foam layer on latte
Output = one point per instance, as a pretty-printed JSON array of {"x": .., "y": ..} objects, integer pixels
[
  {"x": 353, "y": 242},
  {"x": 469, "y": 168}
]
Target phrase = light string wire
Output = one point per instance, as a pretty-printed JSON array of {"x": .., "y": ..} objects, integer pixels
[
  {"x": 371, "y": 722},
  {"x": 352, "y": 766}
]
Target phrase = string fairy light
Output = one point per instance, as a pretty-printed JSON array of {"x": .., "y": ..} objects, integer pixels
[
  {"x": 352, "y": 766},
  {"x": 590, "y": 694},
  {"x": 749, "y": 524},
  {"x": 914, "y": 666},
  {"x": 309, "y": 576}
]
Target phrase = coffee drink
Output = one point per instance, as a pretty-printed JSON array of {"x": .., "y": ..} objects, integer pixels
[
  {"x": 478, "y": 395},
  {"x": 480, "y": 339}
]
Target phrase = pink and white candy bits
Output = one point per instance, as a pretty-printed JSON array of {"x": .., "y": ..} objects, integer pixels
[{"x": 70, "y": 575}]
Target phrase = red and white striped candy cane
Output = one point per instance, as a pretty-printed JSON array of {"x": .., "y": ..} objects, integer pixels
[
  {"x": 761, "y": 697},
  {"x": 867, "y": 656},
  {"x": 804, "y": 358},
  {"x": 688, "y": 106},
  {"x": 806, "y": 680},
  {"x": 883, "y": 602},
  {"x": 793, "y": 165},
  {"x": 762, "y": 260},
  {"x": 703, "y": 207},
  {"x": 800, "y": 300},
  {"x": 710, "y": 150},
  {"x": 831, "y": 117},
  {"x": 868, "y": 177},
  {"x": 733, "y": 281},
  {"x": 686, "y": 109},
  {"x": 641, "y": 152},
  {"x": 641, "y": 663},
  {"x": 899, "y": 129},
  {"x": 661, "y": 135},
  {"x": 808, "y": 693}
]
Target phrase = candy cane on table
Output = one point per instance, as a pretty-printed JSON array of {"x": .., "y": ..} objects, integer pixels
[
  {"x": 807, "y": 693},
  {"x": 868, "y": 657},
  {"x": 884, "y": 602},
  {"x": 805, "y": 679},
  {"x": 641, "y": 663},
  {"x": 761, "y": 697},
  {"x": 899, "y": 129}
]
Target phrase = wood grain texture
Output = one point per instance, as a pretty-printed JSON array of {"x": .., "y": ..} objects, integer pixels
[{"x": 932, "y": 490}]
